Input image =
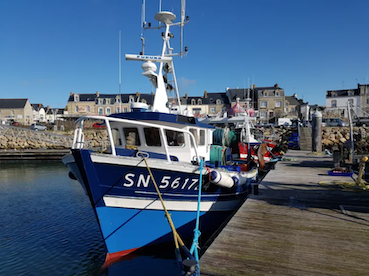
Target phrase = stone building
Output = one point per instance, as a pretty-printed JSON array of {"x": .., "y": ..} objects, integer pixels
[
  {"x": 271, "y": 102},
  {"x": 17, "y": 110},
  {"x": 291, "y": 106},
  {"x": 103, "y": 104},
  {"x": 209, "y": 104}
]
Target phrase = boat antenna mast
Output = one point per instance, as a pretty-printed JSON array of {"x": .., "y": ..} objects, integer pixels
[{"x": 165, "y": 60}]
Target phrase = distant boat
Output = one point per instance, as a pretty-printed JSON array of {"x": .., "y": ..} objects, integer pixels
[{"x": 171, "y": 145}]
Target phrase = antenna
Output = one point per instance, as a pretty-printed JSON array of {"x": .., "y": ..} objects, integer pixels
[
  {"x": 143, "y": 25},
  {"x": 120, "y": 71},
  {"x": 183, "y": 13}
]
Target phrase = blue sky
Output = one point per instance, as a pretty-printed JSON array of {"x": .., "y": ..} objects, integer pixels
[{"x": 49, "y": 48}]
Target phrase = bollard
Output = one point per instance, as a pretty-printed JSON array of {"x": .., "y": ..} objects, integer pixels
[{"x": 316, "y": 133}]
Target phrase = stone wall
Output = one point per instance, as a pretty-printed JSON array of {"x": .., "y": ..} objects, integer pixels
[
  {"x": 93, "y": 139},
  {"x": 340, "y": 136}
]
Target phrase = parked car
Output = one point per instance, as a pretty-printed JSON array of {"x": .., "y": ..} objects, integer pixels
[
  {"x": 332, "y": 122},
  {"x": 38, "y": 127},
  {"x": 99, "y": 125},
  {"x": 361, "y": 121}
]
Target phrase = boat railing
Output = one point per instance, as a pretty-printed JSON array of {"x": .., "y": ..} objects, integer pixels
[{"x": 79, "y": 138}]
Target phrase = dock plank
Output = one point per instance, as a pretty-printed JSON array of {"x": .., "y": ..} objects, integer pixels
[{"x": 295, "y": 226}]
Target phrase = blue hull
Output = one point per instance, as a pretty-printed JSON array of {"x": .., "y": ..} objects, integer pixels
[{"x": 129, "y": 212}]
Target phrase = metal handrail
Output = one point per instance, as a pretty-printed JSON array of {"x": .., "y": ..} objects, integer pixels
[{"x": 79, "y": 139}]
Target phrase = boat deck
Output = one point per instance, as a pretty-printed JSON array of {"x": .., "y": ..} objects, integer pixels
[{"x": 295, "y": 226}]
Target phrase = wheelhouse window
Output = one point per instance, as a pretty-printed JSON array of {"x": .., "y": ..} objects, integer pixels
[
  {"x": 116, "y": 137},
  {"x": 131, "y": 136},
  {"x": 202, "y": 137},
  {"x": 194, "y": 133},
  {"x": 152, "y": 137},
  {"x": 175, "y": 138}
]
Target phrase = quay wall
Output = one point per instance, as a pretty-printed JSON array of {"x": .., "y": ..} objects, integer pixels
[{"x": 95, "y": 138}]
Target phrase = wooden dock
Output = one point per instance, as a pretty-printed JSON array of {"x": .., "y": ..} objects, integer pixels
[{"x": 295, "y": 226}]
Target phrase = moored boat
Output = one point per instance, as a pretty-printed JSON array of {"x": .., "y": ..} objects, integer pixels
[{"x": 157, "y": 154}]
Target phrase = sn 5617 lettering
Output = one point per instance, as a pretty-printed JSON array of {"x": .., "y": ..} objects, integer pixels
[{"x": 166, "y": 182}]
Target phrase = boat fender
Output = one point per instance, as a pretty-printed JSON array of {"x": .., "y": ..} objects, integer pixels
[
  {"x": 222, "y": 179},
  {"x": 72, "y": 176}
]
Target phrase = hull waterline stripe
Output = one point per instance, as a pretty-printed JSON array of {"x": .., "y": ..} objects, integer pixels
[{"x": 173, "y": 205}]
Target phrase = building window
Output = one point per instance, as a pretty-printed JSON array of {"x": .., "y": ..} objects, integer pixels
[
  {"x": 263, "y": 104},
  {"x": 292, "y": 109},
  {"x": 101, "y": 111},
  {"x": 76, "y": 98},
  {"x": 199, "y": 102},
  {"x": 108, "y": 111},
  {"x": 277, "y": 94},
  {"x": 212, "y": 109},
  {"x": 101, "y": 101},
  {"x": 286, "y": 104},
  {"x": 278, "y": 104},
  {"x": 193, "y": 101},
  {"x": 88, "y": 108},
  {"x": 125, "y": 109},
  {"x": 76, "y": 108},
  {"x": 219, "y": 101},
  {"x": 334, "y": 103},
  {"x": 265, "y": 93},
  {"x": 118, "y": 110},
  {"x": 367, "y": 101},
  {"x": 117, "y": 100},
  {"x": 107, "y": 101},
  {"x": 263, "y": 114},
  {"x": 351, "y": 93}
]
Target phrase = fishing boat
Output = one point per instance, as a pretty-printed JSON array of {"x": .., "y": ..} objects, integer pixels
[{"x": 158, "y": 160}]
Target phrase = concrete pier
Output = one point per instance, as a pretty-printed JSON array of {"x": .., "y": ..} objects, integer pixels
[{"x": 295, "y": 226}]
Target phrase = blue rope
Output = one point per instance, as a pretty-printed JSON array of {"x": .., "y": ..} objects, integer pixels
[{"x": 195, "y": 244}]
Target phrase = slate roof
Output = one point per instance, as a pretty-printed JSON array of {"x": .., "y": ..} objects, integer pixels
[
  {"x": 342, "y": 93},
  {"x": 12, "y": 103},
  {"x": 292, "y": 100},
  {"x": 37, "y": 107},
  {"x": 240, "y": 93},
  {"x": 59, "y": 112}
]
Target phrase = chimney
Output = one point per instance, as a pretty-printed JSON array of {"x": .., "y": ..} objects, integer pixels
[
  {"x": 276, "y": 85},
  {"x": 253, "y": 86},
  {"x": 295, "y": 95},
  {"x": 186, "y": 96},
  {"x": 71, "y": 93},
  {"x": 227, "y": 88},
  {"x": 48, "y": 107},
  {"x": 205, "y": 94},
  {"x": 39, "y": 105},
  {"x": 97, "y": 94}
]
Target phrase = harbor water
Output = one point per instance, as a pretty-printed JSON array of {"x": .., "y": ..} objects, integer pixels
[{"x": 48, "y": 227}]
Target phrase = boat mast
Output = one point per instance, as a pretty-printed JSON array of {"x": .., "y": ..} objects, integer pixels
[{"x": 165, "y": 60}]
